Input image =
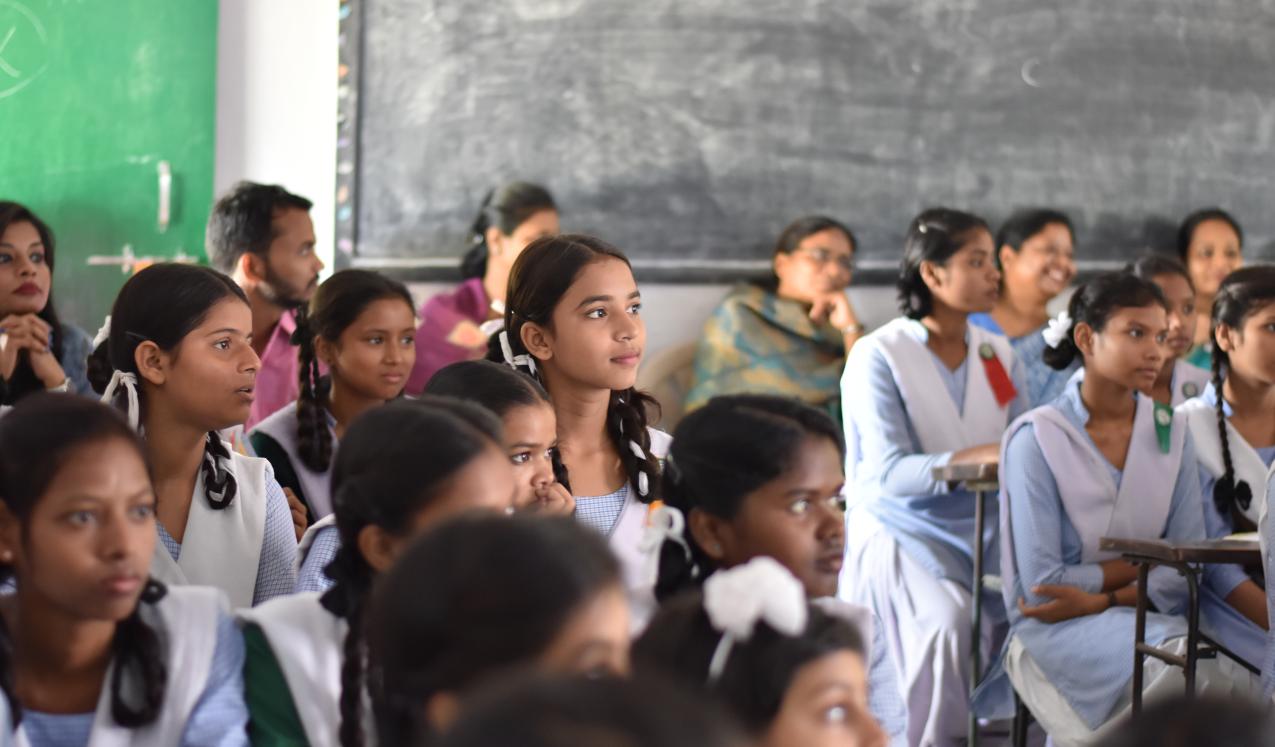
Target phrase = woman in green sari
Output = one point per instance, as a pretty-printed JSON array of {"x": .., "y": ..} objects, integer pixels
[{"x": 788, "y": 335}]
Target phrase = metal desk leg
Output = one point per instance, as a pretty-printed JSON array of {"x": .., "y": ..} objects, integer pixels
[
  {"x": 1192, "y": 629},
  {"x": 976, "y": 636},
  {"x": 1139, "y": 635}
]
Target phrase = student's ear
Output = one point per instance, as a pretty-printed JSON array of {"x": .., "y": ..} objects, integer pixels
[
  {"x": 324, "y": 350},
  {"x": 378, "y": 547},
  {"x": 152, "y": 363},
  {"x": 441, "y": 711},
  {"x": 495, "y": 242},
  {"x": 781, "y": 263},
  {"x": 1226, "y": 338},
  {"x": 1006, "y": 255},
  {"x": 930, "y": 275},
  {"x": 10, "y": 535},
  {"x": 1084, "y": 335},
  {"x": 536, "y": 340},
  {"x": 252, "y": 266},
  {"x": 709, "y": 532}
]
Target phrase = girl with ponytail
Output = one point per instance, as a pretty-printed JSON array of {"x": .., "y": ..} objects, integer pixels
[
  {"x": 926, "y": 390},
  {"x": 361, "y": 327},
  {"x": 455, "y": 326},
  {"x": 402, "y": 468},
  {"x": 1103, "y": 459},
  {"x": 93, "y": 650},
  {"x": 1233, "y": 429},
  {"x": 178, "y": 359},
  {"x": 759, "y": 475},
  {"x": 573, "y": 322}
]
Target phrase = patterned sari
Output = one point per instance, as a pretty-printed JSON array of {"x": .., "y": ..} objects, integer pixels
[{"x": 756, "y": 342}]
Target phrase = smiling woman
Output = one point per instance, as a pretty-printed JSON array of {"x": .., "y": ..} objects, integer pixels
[{"x": 38, "y": 351}]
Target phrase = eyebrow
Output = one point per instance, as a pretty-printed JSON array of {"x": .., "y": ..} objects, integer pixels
[
  {"x": 597, "y": 299},
  {"x": 32, "y": 245},
  {"x": 228, "y": 330}
]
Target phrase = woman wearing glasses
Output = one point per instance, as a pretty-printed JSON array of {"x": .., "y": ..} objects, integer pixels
[{"x": 790, "y": 334}]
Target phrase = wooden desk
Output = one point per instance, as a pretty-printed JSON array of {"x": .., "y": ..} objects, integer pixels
[
  {"x": 1186, "y": 557},
  {"x": 982, "y": 479}
]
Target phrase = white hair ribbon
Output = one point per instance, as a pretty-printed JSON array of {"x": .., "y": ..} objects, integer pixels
[
  {"x": 104, "y": 333},
  {"x": 644, "y": 483},
  {"x": 514, "y": 361},
  {"x": 129, "y": 382},
  {"x": 735, "y": 600},
  {"x": 1057, "y": 329},
  {"x": 664, "y": 524}
]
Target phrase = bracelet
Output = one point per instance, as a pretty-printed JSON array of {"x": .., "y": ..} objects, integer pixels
[
  {"x": 853, "y": 329},
  {"x": 1111, "y": 600},
  {"x": 65, "y": 386}
]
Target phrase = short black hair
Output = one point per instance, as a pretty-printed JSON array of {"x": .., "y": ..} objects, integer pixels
[{"x": 242, "y": 220}]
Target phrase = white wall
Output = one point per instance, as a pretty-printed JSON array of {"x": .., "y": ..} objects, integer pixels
[{"x": 276, "y": 101}]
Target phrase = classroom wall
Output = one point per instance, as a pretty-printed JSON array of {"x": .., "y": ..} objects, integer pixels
[{"x": 276, "y": 101}]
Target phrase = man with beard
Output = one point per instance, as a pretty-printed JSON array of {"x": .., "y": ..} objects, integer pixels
[{"x": 262, "y": 236}]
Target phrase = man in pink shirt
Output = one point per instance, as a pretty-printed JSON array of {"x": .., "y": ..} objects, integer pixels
[{"x": 262, "y": 236}]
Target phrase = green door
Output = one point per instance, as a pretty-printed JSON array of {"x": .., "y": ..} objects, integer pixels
[{"x": 106, "y": 132}]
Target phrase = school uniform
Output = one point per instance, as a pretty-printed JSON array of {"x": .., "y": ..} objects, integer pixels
[
  {"x": 1075, "y": 675},
  {"x": 1266, "y": 532},
  {"x": 317, "y": 549},
  {"x": 1043, "y": 382},
  {"x": 292, "y": 677},
  {"x": 1253, "y": 466},
  {"x": 275, "y": 440},
  {"x": 248, "y": 549},
  {"x": 906, "y": 413},
  {"x": 1187, "y": 382},
  {"x": 203, "y": 701}
]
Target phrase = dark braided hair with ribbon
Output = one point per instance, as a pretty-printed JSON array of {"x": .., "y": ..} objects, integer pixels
[
  {"x": 392, "y": 464},
  {"x": 541, "y": 276},
  {"x": 163, "y": 304},
  {"x": 37, "y": 439},
  {"x": 336, "y": 305},
  {"x": 1240, "y": 295}
]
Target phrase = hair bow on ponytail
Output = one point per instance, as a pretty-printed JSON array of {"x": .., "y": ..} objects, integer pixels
[
  {"x": 1057, "y": 329},
  {"x": 103, "y": 334},
  {"x": 127, "y": 381},
  {"x": 514, "y": 361},
  {"x": 664, "y": 524},
  {"x": 760, "y": 590}
]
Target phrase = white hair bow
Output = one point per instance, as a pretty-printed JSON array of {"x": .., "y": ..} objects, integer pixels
[
  {"x": 129, "y": 382},
  {"x": 104, "y": 333},
  {"x": 514, "y": 361},
  {"x": 1057, "y": 329},
  {"x": 665, "y": 524},
  {"x": 759, "y": 590}
]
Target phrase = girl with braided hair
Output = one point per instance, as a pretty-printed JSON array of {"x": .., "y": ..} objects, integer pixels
[
  {"x": 93, "y": 649},
  {"x": 1233, "y": 430},
  {"x": 573, "y": 321},
  {"x": 402, "y": 468},
  {"x": 361, "y": 327},
  {"x": 178, "y": 359}
]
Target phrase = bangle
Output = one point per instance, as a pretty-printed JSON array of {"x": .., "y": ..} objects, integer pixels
[
  {"x": 853, "y": 329},
  {"x": 1111, "y": 600},
  {"x": 65, "y": 386}
]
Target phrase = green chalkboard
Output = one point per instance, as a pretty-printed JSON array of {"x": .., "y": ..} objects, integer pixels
[{"x": 96, "y": 96}]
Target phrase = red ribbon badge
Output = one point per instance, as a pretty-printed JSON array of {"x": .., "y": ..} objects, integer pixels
[{"x": 1002, "y": 386}]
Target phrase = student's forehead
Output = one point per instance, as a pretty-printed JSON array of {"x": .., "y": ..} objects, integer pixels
[
  {"x": 604, "y": 277},
  {"x": 227, "y": 312}
]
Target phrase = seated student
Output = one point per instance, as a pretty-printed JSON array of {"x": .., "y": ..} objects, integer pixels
[
  {"x": 1266, "y": 533},
  {"x": 1101, "y": 460},
  {"x": 97, "y": 652},
  {"x": 927, "y": 390},
  {"x": 361, "y": 326},
  {"x": 528, "y": 422},
  {"x": 177, "y": 359},
  {"x": 1178, "y": 380},
  {"x": 785, "y": 505},
  {"x": 262, "y": 236},
  {"x": 789, "y": 334},
  {"x": 538, "y": 710},
  {"x": 1233, "y": 431},
  {"x": 453, "y": 325},
  {"x": 791, "y": 672},
  {"x": 573, "y": 322},
  {"x": 1209, "y": 244},
  {"x": 39, "y": 351},
  {"x": 480, "y": 598},
  {"x": 1036, "y": 256},
  {"x": 402, "y": 468}
]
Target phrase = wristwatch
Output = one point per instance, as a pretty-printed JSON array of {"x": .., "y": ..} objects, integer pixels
[{"x": 1111, "y": 600}]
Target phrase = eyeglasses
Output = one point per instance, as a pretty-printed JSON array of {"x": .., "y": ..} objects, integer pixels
[{"x": 823, "y": 257}]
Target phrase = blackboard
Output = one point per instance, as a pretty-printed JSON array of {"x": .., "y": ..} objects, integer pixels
[{"x": 688, "y": 132}]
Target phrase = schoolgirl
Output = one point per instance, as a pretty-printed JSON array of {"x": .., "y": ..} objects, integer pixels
[
  {"x": 95, "y": 650},
  {"x": 927, "y": 390},
  {"x": 1101, "y": 460},
  {"x": 573, "y": 321},
  {"x": 1233, "y": 430},
  {"x": 528, "y": 422},
  {"x": 178, "y": 359},
  {"x": 402, "y": 468},
  {"x": 1178, "y": 381},
  {"x": 361, "y": 327}
]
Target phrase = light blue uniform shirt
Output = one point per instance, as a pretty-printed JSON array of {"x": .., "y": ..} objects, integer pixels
[
  {"x": 933, "y": 524},
  {"x": 1044, "y": 384}
]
